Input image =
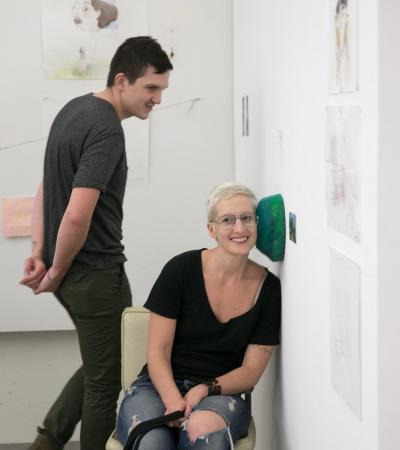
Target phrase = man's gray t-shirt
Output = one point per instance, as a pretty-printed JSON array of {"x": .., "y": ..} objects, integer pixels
[{"x": 86, "y": 148}]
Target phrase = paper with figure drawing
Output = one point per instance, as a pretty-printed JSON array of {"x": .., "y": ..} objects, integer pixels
[
  {"x": 343, "y": 170},
  {"x": 343, "y": 22},
  {"x": 345, "y": 330},
  {"x": 80, "y": 36}
]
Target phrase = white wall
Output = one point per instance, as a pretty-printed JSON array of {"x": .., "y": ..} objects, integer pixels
[
  {"x": 388, "y": 224},
  {"x": 281, "y": 61},
  {"x": 191, "y": 149}
]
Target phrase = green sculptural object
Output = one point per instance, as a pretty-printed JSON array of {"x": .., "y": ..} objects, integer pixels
[{"x": 271, "y": 228}]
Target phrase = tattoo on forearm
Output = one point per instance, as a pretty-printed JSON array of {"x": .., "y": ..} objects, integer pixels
[{"x": 34, "y": 244}]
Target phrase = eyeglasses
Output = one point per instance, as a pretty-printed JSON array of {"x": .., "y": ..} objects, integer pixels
[{"x": 229, "y": 220}]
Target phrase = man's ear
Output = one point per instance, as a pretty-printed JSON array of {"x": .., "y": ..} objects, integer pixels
[{"x": 120, "y": 81}]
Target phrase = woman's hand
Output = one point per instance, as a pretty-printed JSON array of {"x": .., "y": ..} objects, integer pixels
[
  {"x": 194, "y": 396},
  {"x": 178, "y": 404}
]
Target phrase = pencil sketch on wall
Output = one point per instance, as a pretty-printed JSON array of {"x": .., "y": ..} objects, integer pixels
[
  {"x": 345, "y": 330},
  {"x": 80, "y": 36},
  {"x": 343, "y": 170},
  {"x": 343, "y": 21}
]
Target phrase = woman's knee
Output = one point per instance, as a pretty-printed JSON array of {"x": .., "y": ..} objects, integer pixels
[
  {"x": 202, "y": 423},
  {"x": 137, "y": 406},
  {"x": 159, "y": 438}
]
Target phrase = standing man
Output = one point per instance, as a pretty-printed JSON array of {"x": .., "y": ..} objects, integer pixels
[{"x": 77, "y": 231}]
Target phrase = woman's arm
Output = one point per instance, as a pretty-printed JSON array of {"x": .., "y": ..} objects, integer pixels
[
  {"x": 159, "y": 348},
  {"x": 239, "y": 380},
  {"x": 244, "y": 378}
]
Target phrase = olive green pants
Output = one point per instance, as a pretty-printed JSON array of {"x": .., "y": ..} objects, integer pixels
[{"x": 94, "y": 300}]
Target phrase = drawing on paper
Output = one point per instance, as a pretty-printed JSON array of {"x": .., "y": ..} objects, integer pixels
[
  {"x": 345, "y": 330},
  {"x": 94, "y": 15},
  {"x": 342, "y": 170},
  {"x": 17, "y": 213},
  {"x": 344, "y": 46},
  {"x": 80, "y": 36}
]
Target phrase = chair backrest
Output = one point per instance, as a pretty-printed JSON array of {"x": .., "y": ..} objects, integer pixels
[{"x": 134, "y": 326}]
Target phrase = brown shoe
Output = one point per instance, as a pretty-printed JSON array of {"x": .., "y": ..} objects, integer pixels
[{"x": 42, "y": 441}]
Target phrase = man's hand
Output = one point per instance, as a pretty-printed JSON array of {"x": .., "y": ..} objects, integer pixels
[
  {"x": 50, "y": 282},
  {"x": 34, "y": 271}
]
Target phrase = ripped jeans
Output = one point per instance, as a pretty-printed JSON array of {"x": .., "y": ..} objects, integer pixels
[{"x": 142, "y": 402}]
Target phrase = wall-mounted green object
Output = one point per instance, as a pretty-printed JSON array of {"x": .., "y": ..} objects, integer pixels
[{"x": 271, "y": 228}]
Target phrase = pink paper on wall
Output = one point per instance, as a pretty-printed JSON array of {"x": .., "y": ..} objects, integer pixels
[{"x": 17, "y": 213}]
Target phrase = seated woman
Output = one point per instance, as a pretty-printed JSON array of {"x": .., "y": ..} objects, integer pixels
[{"x": 214, "y": 319}]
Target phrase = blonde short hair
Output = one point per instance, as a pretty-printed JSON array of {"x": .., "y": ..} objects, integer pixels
[{"x": 226, "y": 190}]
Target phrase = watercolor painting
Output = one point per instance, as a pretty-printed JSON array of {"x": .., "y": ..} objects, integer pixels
[
  {"x": 292, "y": 227},
  {"x": 345, "y": 282},
  {"x": 17, "y": 214},
  {"x": 343, "y": 46},
  {"x": 80, "y": 36},
  {"x": 343, "y": 171}
]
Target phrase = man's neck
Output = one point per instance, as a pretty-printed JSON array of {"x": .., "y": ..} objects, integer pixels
[{"x": 110, "y": 96}]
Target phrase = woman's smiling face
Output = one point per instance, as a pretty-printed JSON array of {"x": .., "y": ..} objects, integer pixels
[{"x": 238, "y": 237}]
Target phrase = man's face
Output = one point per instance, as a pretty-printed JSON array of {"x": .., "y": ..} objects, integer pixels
[{"x": 139, "y": 98}]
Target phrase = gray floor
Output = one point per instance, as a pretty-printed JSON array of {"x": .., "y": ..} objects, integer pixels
[{"x": 69, "y": 446}]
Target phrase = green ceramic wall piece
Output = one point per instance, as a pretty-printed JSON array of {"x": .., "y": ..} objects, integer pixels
[{"x": 271, "y": 228}]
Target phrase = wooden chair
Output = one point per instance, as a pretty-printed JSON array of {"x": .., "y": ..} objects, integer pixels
[{"x": 134, "y": 326}]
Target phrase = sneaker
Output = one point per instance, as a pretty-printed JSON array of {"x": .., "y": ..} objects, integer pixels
[{"x": 42, "y": 441}]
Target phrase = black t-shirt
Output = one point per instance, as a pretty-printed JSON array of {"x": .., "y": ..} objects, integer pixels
[
  {"x": 205, "y": 348},
  {"x": 86, "y": 148}
]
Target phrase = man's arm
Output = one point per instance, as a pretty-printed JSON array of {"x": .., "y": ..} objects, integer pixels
[
  {"x": 37, "y": 224},
  {"x": 34, "y": 267},
  {"x": 71, "y": 236}
]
